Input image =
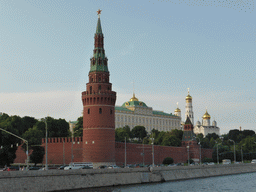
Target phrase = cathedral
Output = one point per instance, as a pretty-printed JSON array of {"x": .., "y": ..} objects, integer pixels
[{"x": 205, "y": 127}]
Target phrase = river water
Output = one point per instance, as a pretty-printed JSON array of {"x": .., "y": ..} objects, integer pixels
[{"x": 241, "y": 182}]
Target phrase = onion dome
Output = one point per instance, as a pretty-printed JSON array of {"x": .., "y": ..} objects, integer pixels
[
  {"x": 206, "y": 115},
  {"x": 134, "y": 98},
  {"x": 177, "y": 110},
  {"x": 188, "y": 97}
]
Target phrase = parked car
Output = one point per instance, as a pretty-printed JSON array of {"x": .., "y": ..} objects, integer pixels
[
  {"x": 103, "y": 167},
  {"x": 86, "y": 167},
  {"x": 226, "y": 161},
  {"x": 253, "y": 161},
  {"x": 113, "y": 167},
  {"x": 33, "y": 168},
  {"x": 62, "y": 166},
  {"x": 211, "y": 163}
]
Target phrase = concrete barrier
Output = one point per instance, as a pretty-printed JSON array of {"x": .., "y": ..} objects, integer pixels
[{"x": 54, "y": 180}]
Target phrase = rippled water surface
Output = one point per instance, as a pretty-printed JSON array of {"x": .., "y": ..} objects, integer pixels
[{"x": 242, "y": 182}]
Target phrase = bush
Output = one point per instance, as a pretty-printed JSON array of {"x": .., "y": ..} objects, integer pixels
[
  {"x": 207, "y": 160},
  {"x": 168, "y": 160}
]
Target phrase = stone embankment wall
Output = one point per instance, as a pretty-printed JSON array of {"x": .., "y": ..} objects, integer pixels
[{"x": 54, "y": 180}]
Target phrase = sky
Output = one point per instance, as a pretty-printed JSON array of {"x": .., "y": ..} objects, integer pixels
[{"x": 164, "y": 47}]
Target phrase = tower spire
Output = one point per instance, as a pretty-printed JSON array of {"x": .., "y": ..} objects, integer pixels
[{"x": 99, "y": 62}]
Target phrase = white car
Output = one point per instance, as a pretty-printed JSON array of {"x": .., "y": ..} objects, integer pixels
[
  {"x": 253, "y": 161},
  {"x": 113, "y": 167},
  {"x": 211, "y": 163}
]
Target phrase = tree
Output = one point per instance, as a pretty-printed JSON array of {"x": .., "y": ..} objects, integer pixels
[
  {"x": 33, "y": 136},
  {"x": 7, "y": 141},
  {"x": 159, "y": 138},
  {"x": 37, "y": 154},
  {"x": 171, "y": 140},
  {"x": 139, "y": 132},
  {"x": 168, "y": 160},
  {"x": 122, "y": 133},
  {"x": 78, "y": 130},
  {"x": 177, "y": 133},
  {"x": 233, "y": 135},
  {"x": 212, "y": 135}
]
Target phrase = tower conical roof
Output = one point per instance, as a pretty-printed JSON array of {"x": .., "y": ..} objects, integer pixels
[
  {"x": 99, "y": 62},
  {"x": 98, "y": 28},
  {"x": 188, "y": 122}
]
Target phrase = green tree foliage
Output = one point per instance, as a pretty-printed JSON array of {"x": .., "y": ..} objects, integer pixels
[
  {"x": 212, "y": 135},
  {"x": 55, "y": 127},
  {"x": 171, "y": 140},
  {"x": 139, "y": 132},
  {"x": 78, "y": 130},
  {"x": 168, "y": 160},
  {"x": 37, "y": 154},
  {"x": 233, "y": 135},
  {"x": 33, "y": 136},
  {"x": 121, "y": 133},
  {"x": 8, "y": 142},
  {"x": 177, "y": 133},
  {"x": 159, "y": 138}
]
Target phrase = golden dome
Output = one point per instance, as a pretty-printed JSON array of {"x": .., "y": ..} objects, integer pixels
[
  {"x": 206, "y": 115},
  {"x": 188, "y": 97},
  {"x": 134, "y": 98},
  {"x": 177, "y": 110}
]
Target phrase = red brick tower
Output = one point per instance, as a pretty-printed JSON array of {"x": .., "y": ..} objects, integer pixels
[{"x": 99, "y": 108}]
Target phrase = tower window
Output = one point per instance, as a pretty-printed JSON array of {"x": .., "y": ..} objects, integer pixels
[
  {"x": 100, "y": 110},
  {"x": 99, "y": 79},
  {"x": 99, "y": 87},
  {"x": 88, "y": 111},
  {"x": 90, "y": 89},
  {"x": 111, "y": 111}
]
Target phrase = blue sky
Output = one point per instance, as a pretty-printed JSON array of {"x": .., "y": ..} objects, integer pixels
[{"x": 165, "y": 47}]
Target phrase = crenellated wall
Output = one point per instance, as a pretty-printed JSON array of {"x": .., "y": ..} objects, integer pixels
[{"x": 60, "y": 150}]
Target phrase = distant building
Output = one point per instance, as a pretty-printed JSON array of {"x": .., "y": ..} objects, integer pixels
[
  {"x": 205, "y": 128},
  {"x": 135, "y": 112},
  {"x": 72, "y": 125}
]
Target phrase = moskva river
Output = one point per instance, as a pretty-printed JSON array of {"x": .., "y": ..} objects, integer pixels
[{"x": 242, "y": 182}]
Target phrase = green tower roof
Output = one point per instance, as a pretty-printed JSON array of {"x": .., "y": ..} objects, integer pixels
[{"x": 98, "y": 28}]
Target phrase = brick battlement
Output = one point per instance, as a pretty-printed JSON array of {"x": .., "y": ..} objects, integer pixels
[{"x": 62, "y": 139}]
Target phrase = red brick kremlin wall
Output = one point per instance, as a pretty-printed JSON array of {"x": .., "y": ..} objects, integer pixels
[{"x": 56, "y": 147}]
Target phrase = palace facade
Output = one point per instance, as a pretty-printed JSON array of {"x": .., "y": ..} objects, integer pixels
[{"x": 134, "y": 113}]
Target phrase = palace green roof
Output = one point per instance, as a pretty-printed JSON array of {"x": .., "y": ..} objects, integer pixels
[
  {"x": 122, "y": 109},
  {"x": 162, "y": 113},
  {"x": 134, "y": 103}
]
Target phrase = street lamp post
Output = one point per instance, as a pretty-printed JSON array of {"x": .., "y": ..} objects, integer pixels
[
  {"x": 188, "y": 155},
  {"x": 242, "y": 154},
  {"x": 125, "y": 153},
  {"x": 153, "y": 164},
  {"x": 234, "y": 150},
  {"x": 46, "y": 147},
  {"x": 218, "y": 153},
  {"x": 22, "y": 140}
]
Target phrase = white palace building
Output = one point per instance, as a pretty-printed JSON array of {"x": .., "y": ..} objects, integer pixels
[{"x": 134, "y": 113}]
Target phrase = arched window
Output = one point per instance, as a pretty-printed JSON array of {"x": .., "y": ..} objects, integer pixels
[
  {"x": 111, "y": 111},
  {"x": 99, "y": 87},
  {"x": 100, "y": 110},
  {"x": 90, "y": 89},
  {"x": 88, "y": 111}
]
